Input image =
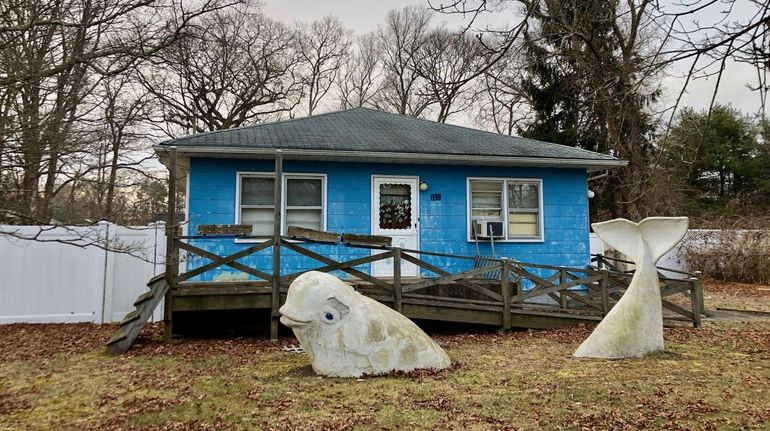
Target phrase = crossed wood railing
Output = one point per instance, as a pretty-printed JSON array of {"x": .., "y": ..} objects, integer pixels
[{"x": 517, "y": 287}]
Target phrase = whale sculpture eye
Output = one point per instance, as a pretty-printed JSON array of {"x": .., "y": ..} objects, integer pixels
[{"x": 329, "y": 317}]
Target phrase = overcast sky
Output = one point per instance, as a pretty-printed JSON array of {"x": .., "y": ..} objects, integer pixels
[{"x": 363, "y": 16}]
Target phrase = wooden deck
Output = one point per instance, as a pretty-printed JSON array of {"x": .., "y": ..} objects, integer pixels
[
  {"x": 498, "y": 292},
  {"x": 520, "y": 299}
]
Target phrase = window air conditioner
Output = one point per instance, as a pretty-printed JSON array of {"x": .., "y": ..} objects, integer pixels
[{"x": 487, "y": 229}]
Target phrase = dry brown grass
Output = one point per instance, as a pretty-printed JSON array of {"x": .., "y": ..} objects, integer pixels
[{"x": 717, "y": 377}]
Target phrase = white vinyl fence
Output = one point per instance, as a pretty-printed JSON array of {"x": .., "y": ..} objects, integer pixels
[{"x": 76, "y": 274}]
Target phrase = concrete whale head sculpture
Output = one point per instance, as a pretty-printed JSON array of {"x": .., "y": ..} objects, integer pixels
[
  {"x": 634, "y": 326},
  {"x": 346, "y": 334}
]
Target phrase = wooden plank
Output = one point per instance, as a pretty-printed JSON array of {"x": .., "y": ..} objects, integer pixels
[
  {"x": 340, "y": 265},
  {"x": 449, "y": 278},
  {"x": 439, "y": 271},
  {"x": 582, "y": 299},
  {"x": 397, "y": 287},
  {"x": 696, "y": 299},
  {"x": 172, "y": 253},
  {"x": 677, "y": 309},
  {"x": 373, "y": 240},
  {"x": 604, "y": 287},
  {"x": 314, "y": 235},
  {"x": 224, "y": 229},
  {"x": 276, "y": 298},
  {"x": 506, "y": 291},
  {"x": 219, "y": 261},
  {"x": 253, "y": 300},
  {"x": 553, "y": 288},
  {"x": 670, "y": 291},
  {"x": 219, "y": 289},
  {"x": 562, "y": 297},
  {"x": 451, "y": 299},
  {"x": 329, "y": 261},
  {"x": 417, "y": 310},
  {"x": 235, "y": 265}
]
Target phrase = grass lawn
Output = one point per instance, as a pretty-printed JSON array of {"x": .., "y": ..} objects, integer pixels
[{"x": 56, "y": 377}]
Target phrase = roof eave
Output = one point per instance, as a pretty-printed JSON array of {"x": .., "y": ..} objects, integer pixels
[{"x": 591, "y": 165}]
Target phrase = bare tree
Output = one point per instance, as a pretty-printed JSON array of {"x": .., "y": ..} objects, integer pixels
[
  {"x": 123, "y": 109},
  {"x": 115, "y": 33},
  {"x": 323, "y": 49},
  {"x": 234, "y": 67},
  {"x": 448, "y": 62},
  {"x": 402, "y": 35},
  {"x": 501, "y": 104},
  {"x": 359, "y": 82},
  {"x": 53, "y": 54}
]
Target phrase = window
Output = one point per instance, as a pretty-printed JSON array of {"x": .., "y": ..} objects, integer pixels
[
  {"x": 517, "y": 204},
  {"x": 303, "y": 201}
]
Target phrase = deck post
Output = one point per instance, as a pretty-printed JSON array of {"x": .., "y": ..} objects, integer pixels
[
  {"x": 275, "y": 301},
  {"x": 562, "y": 296},
  {"x": 604, "y": 286},
  {"x": 506, "y": 292},
  {"x": 696, "y": 298},
  {"x": 397, "y": 280},
  {"x": 172, "y": 257}
]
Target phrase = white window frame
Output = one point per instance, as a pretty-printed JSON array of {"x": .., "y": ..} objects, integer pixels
[
  {"x": 505, "y": 181},
  {"x": 286, "y": 176}
]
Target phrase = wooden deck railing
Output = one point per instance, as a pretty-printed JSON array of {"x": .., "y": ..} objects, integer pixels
[{"x": 517, "y": 287}]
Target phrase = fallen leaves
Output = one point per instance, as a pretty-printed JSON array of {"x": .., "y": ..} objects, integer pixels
[
  {"x": 710, "y": 378},
  {"x": 737, "y": 289},
  {"x": 21, "y": 341},
  {"x": 11, "y": 403}
]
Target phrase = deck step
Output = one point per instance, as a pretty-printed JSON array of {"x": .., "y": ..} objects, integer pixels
[
  {"x": 132, "y": 324},
  {"x": 146, "y": 296},
  {"x": 131, "y": 317},
  {"x": 117, "y": 337},
  {"x": 156, "y": 278}
]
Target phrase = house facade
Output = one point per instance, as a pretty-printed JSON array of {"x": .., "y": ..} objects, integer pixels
[{"x": 430, "y": 186}]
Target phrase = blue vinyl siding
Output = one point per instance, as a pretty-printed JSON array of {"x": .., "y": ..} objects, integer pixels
[{"x": 443, "y": 223}]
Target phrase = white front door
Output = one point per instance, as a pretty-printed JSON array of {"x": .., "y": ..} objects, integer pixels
[{"x": 395, "y": 213}]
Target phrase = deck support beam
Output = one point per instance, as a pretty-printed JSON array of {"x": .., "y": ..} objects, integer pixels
[
  {"x": 506, "y": 291},
  {"x": 696, "y": 299},
  {"x": 276, "y": 294},
  {"x": 172, "y": 257},
  {"x": 397, "y": 305}
]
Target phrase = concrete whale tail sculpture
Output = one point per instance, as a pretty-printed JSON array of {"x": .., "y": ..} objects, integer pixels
[
  {"x": 634, "y": 326},
  {"x": 347, "y": 334}
]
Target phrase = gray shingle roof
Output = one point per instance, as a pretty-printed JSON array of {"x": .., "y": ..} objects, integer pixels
[{"x": 368, "y": 130}]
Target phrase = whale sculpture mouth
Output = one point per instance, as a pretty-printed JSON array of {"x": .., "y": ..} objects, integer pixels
[{"x": 292, "y": 323}]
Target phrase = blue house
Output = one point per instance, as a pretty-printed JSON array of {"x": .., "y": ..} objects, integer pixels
[
  {"x": 482, "y": 228},
  {"x": 429, "y": 186}
]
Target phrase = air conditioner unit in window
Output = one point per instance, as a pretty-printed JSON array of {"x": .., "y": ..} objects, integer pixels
[{"x": 488, "y": 229}]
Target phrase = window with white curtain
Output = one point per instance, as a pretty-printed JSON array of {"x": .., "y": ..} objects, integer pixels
[
  {"x": 517, "y": 203},
  {"x": 303, "y": 201}
]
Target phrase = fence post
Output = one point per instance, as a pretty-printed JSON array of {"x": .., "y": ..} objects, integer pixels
[
  {"x": 604, "y": 286},
  {"x": 696, "y": 298},
  {"x": 506, "y": 291},
  {"x": 172, "y": 258},
  {"x": 562, "y": 296},
  {"x": 397, "y": 305},
  {"x": 275, "y": 301}
]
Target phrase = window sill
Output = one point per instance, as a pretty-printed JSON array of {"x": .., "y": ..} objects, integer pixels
[{"x": 498, "y": 241}]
